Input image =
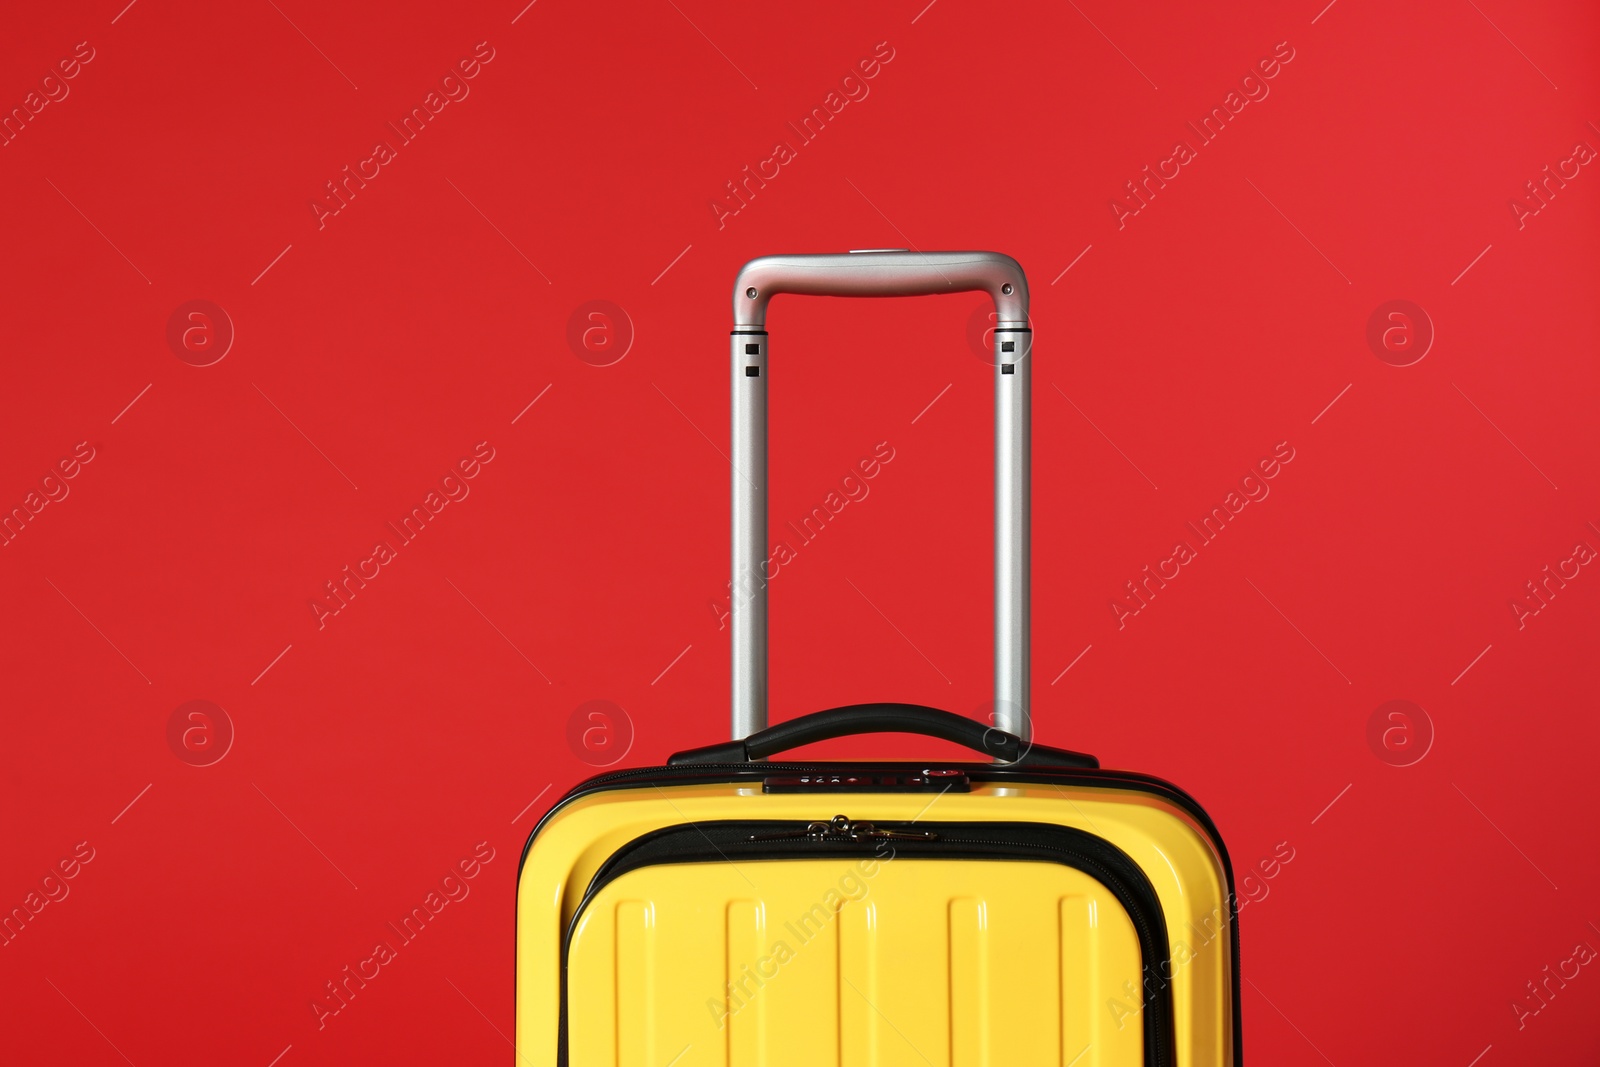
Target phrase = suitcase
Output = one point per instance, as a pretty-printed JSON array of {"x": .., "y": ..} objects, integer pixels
[{"x": 1019, "y": 909}]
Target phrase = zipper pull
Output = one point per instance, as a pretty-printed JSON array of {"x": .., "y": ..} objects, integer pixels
[{"x": 866, "y": 829}]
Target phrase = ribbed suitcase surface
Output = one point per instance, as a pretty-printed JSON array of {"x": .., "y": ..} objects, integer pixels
[{"x": 875, "y": 964}]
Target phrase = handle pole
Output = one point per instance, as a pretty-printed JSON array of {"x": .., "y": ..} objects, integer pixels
[
  {"x": 881, "y": 273},
  {"x": 1013, "y": 374},
  {"x": 748, "y": 587}
]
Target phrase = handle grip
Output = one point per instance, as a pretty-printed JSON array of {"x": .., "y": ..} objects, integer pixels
[
  {"x": 888, "y": 272},
  {"x": 885, "y": 718}
]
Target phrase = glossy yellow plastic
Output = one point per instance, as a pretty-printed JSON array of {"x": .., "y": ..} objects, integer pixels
[{"x": 882, "y": 961}]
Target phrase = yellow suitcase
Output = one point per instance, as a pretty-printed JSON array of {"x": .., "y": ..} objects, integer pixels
[{"x": 1025, "y": 910}]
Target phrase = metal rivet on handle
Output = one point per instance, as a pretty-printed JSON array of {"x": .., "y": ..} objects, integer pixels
[
  {"x": 1006, "y": 288},
  {"x": 751, "y": 292}
]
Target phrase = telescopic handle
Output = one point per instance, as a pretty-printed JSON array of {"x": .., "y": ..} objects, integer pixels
[{"x": 882, "y": 273}]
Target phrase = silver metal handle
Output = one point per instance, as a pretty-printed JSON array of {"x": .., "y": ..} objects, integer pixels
[
  {"x": 887, "y": 272},
  {"x": 882, "y": 273}
]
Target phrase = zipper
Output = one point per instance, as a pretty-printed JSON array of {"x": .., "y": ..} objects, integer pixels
[
  {"x": 840, "y": 828},
  {"x": 843, "y": 837}
]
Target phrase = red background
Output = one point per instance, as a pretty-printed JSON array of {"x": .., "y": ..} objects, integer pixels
[{"x": 379, "y": 349}]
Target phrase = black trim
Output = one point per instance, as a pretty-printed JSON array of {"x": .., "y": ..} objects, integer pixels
[
  {"x": 740, "y": 331},
  {"x": 752, "y": 773},
  {"x": 1029, "y": 842}
]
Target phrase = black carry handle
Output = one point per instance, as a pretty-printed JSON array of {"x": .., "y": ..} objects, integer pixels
[{"x": 885, "y": 718}]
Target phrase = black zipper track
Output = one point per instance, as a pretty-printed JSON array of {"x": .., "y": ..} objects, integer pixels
[
  {"x": 1036, "y": 842},
  {"x": 1132, "y": 781}
]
